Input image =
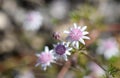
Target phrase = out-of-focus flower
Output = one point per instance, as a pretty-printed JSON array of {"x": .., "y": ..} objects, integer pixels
[
  {"x": 76, "y": 35},
  {"x": 61, "y": 50},
  {"x": 33, "y": 21},
  {"x": 45, "y": 58},
  {"x": 4, "y": 21},
  {"x": 96, "y": 70},
  {"x": 25, "y": 74},
  {"x": 108, "y": 47},
  {"x": 59, "y": 9}
]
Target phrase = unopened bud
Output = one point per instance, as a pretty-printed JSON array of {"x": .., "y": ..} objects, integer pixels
[{"x": 56, "y": 35}]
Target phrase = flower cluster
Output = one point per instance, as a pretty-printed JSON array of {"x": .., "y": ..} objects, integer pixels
[{"x": 76, "y": 35}]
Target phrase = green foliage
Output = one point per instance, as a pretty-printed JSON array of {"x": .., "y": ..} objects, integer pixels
[
  {"x": 112, "y": 70},
  {"x": 113, "y": 59},
  {"x": 88, "y": 13},
  {"x": 83, "y": 12}
]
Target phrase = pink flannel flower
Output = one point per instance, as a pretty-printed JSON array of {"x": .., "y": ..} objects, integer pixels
[
  {"x": 61, "y": 50},
  {"x": 108, "y": 47},
  {"x": 76, "y": 35},
  {"x": 45, "y": 58}
]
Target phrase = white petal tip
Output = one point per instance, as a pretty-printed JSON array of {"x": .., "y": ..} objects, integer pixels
[
  {"x": 46, "y": 49},
  {"x": 82, "y": 41},
  {"x": 75, "y": 25},
  {"x": 67, "y": 32},
  {"x": 38, "y": 55},
  {"x": 84, "y": 28},
  {"x": 88, "y": 38}
]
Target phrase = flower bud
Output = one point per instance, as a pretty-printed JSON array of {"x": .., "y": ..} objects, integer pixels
[{"x": 56, "y": 35}]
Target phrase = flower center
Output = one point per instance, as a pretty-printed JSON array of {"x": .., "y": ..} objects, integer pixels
[
  {"x": 60, "y": 49},
  {"x": 75, "y": 34},
  {"x": 45, "y": 58}
]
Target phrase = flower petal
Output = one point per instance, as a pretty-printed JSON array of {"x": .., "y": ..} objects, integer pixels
[
  {"x": 67, "y": 44},
  {"x": 67, "y": 32},
  {"x": 79, "y": 27},
  {"x": 75, "y": 25},
  {"x": 82, "y": 41},
  {"x": 51, "y": 51},
  {"x": 83, "y": 28},
  {"x": 38, "y": 55},
  {"x": 69, "y": 49},
  {"x": 68, "y": 53},
  {"x": 44, "y": 68},
  {"x": 46, "y": 49},
  {"x": 77, "y": 45},
  {"x": 85, "y": 37},
  {"x": 73, "y": 43},
  {"x": 85, "y": 33},
  {"x": 65, "y": 57}
]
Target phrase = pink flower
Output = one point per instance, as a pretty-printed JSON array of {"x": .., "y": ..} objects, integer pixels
[
  {"x": 76, "y": 35},
  {"x": 45, "y": 58},
  {"x": 33, "y": 21},
  {"x": 108, "y": 47}
]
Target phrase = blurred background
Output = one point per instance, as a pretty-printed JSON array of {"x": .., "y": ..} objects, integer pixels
[{"x": 26, "y": 26}]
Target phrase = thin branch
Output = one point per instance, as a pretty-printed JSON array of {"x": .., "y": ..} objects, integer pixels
[
  {"x": 66, "y": 67},
  {"x": 94, "y": 60}
]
